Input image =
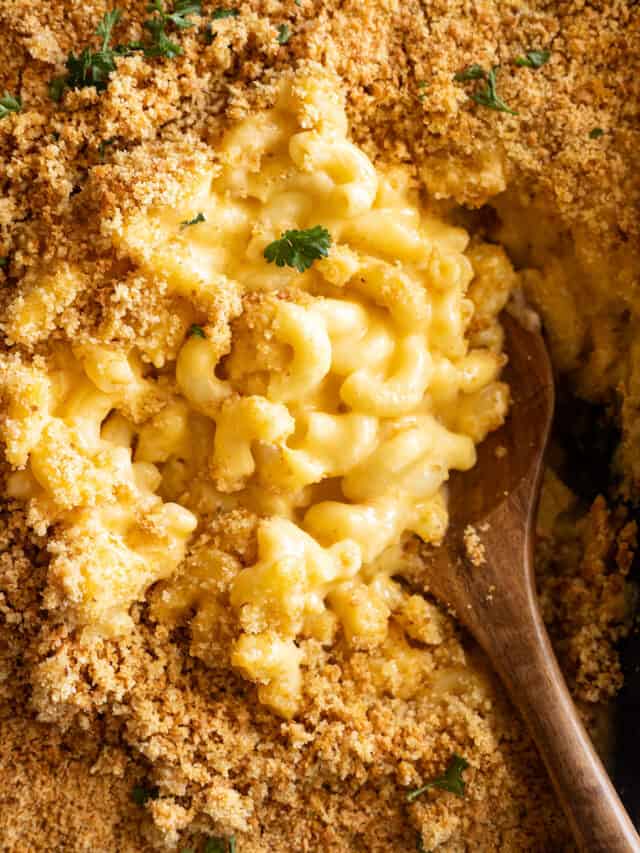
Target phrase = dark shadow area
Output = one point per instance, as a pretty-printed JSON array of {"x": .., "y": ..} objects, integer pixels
[
  {"x": 588, "y": 439},
  {"x": 627, "y": 747}
]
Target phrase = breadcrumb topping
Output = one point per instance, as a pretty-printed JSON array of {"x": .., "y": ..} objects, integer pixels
[{"x": 85, "y": 719}]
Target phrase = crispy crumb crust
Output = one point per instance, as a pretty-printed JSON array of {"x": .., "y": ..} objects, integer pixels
[{"x": 336, "y": 780}]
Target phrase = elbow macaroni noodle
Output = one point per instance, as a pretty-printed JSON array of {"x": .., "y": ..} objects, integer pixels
[{"x": 333, "y": 403}]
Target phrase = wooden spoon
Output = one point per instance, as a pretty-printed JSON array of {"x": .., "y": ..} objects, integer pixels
[{"x": 484, "y": 572}]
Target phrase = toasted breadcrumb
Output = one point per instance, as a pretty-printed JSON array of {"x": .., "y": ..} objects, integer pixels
[
  {"x": 85, "y": 719},
  {"x": 474, "y": 547}
]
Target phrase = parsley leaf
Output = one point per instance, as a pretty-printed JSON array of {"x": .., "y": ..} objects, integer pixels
[
  {"x": 4, "y": 261},
  {"x": 299, "y": 249},
  {"x": 471, "y": 72},
  {"x": 596, "y": 133},
  {"x": 533, "y": 59},
  {"x": 57, "y": 87},
  {"x": 181, "y": 10},
  {"x": 221, "y": 13},
  {"x": 9, "y": 104},
  {"x": 106, "y": 26},
  {"x": 284, "y": 34},
  {"x": 141, "y": 795},
  {"x": 93, "y": 68},
  {"x": 199, "y": 218},
  {"x": 451, "y": 780},
  {"x": 90, "y": 68},
  {"x": 489, "y": 97},
  {"x": 196, "y": 332},
  {"x": 102, "y": 148},
  {"x": 161, "y": 44},
  {"x": 220, "y": 845}
]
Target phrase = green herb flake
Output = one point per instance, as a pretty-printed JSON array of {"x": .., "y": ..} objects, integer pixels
[
  {"x": 216, "y": 845},
  {"x": 93, "y": 68},
  {"x": 156, "y": 26},
  {"x": 471, "y": 72},
  {"x": 102, "y": 148},
  {"x": 4, "y": 262},
  {"x": 451, "y": 780},
  {"x": 89, "y": 68},
  {"x": 299, "y": 249},
  {"x": 596, "y": 133},
  {"x": 196, "y": 219},
  {"x": 196, "y": 332},
  {"x": 533, "y": 59},
  {"x": 181, "y": 11},
  {"x": 284, "y": 33},
  {"x": 161, "y": 44},
  {"x": 141, "y": 795},
  {"x": 56, "y": 88},
  {"x": 489, "y": 97},
  {"x": 232, "y": 844},
  {"x": 221, "y": 13},
  {"x": 9, "y": 104},
  {"x": 298, "y": 2}
]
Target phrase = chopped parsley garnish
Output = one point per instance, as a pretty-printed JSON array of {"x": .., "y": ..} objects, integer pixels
[
  {"x": 141, "y": 795},
  {"x": 533, "y": 59},
  {"x": 90, "y": 68},
  {"x": 487, "y": 96},
  {"x": 471, "y": 72},
  {"x": 221, "y": 13},
  {"x": 299, "y": 249},
  {"x": 4, "y": 262},
  {"x": 181, "y": 11},
  {"x": 196, "y": 331},
  {"x": 284, "y": 33},
  {"x": 220, "y": 845},
  {"x": 161, "y": 44},
  {"x": 104, "y": 145},
  {"x": 199, "y": 218},
  {"x": 596, "y": 133},
  {"x": 9, "y": 104},
  {"x": 451, "y": 780}
]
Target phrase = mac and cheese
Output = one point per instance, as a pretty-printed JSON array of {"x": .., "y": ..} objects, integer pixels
[{"x": 331, "y": 404}]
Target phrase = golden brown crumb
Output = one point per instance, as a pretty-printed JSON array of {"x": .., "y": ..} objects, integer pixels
[
  {"x": 161, "y": 707},
  {"x": 474, "y": 546}
]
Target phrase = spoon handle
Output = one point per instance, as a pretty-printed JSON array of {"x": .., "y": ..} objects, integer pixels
[{"x": 510, "y": 629}]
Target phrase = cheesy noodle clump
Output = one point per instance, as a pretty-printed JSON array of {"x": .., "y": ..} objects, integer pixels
[{"x": 331, "y": 403}]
